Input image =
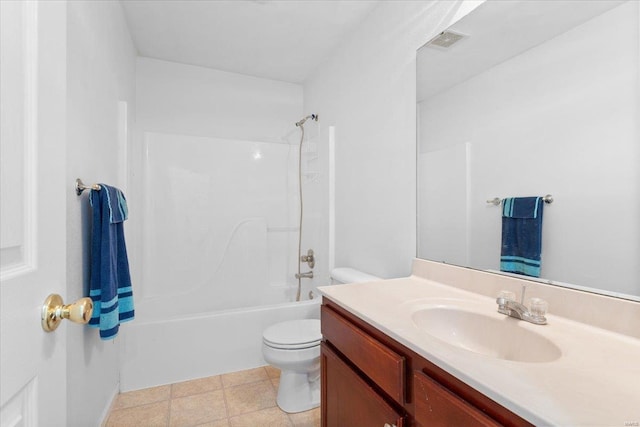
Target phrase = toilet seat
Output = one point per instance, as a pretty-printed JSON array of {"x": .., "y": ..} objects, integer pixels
[{"x": 293, "y": 334}]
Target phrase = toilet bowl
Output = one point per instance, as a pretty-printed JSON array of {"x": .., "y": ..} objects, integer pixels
[{"x": 294, "y": 348}]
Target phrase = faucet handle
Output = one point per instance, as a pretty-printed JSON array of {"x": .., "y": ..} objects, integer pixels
[
  {"x": 538, "y": 307},
  {"x": 503, "y": 298},
  {"x": 507, "y": 295}
]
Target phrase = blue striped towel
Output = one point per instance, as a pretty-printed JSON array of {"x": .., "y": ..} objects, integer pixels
[
  {"x": 110, "y": 284},
  {"x": 522, "y": 235}
]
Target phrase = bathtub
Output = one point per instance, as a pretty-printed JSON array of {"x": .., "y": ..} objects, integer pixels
[{"x": 157, "y": 351}]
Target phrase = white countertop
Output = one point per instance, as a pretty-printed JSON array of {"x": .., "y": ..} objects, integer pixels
[{"x": 596, "y": 380}]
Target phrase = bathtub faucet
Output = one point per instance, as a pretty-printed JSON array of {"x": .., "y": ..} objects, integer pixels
[
  {"x": 307, "y": 275},
  {"x": 309, "y": 258}
]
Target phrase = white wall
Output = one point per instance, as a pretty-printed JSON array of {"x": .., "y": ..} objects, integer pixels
[
  {"x": 559, "y": 118},
  {"x": 100, "y": 74},
  {"x": 189, "y": 100},
  {"x": 367, "y": 91}
]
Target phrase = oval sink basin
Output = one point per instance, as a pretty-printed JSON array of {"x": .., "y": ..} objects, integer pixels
[{"x": 502, "y": 338}]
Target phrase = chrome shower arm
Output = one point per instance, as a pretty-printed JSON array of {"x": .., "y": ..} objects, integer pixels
[{"x": 310, "y": 116}]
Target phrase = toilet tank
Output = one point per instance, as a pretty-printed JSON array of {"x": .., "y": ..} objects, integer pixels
[{"x": 350, "y": 275}]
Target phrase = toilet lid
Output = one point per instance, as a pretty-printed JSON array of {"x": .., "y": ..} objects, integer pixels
[{"x": 293, "y": 334}]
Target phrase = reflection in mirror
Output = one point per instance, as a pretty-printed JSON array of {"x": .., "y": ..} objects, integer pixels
[{"x": 536, "y": 98}]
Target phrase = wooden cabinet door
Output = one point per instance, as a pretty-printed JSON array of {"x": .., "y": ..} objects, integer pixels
[
  {"x": 347, "y": 400},
  {"x": 438, "y": 407},
  {"x": 385, "y": 367}
]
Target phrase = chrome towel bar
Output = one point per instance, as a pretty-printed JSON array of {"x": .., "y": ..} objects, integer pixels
[
  {"x": 80, "y": 186},
  {"x": 496, "y": 200}
]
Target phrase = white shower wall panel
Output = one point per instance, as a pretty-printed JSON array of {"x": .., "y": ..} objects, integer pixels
[
  {"x": 182, "y": 99},
  {"x": 217, "y": 222}
]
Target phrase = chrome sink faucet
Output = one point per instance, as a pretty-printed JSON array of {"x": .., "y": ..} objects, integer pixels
[{"x": 508, "y": 305}]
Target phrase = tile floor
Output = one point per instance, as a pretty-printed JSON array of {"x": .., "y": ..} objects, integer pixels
[{"x": 239, "y": 399}]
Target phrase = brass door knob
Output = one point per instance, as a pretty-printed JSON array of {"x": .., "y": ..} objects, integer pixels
[{"x": 54, "y": 310}]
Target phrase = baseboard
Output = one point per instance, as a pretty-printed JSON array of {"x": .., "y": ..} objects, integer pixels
[{"x": 107, "y": 409}]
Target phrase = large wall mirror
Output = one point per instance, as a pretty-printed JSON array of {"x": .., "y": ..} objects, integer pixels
[{"x": 535, "y": 98}]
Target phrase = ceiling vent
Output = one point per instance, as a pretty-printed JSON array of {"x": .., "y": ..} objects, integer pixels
[{"x": 446, "y": 39}]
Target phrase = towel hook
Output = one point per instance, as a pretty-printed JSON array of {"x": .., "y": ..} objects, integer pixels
[{"x": 80, "y": 186}]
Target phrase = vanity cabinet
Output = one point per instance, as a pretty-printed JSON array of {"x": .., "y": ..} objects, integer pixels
[
  {"x": 370, "y": 380},
  {"x": 435, "y": 405},
  {"x": 351, "y": 400}
]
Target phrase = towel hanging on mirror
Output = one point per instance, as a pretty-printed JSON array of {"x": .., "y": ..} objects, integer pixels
[{"x": 521, "y": 251}]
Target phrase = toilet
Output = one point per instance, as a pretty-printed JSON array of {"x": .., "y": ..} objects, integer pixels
[
  {"x": 294, "y": 348},
  {"x": 350, "y": 275}
]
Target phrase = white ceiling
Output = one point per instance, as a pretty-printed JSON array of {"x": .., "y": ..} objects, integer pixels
[{"x": 280, "y": 40}]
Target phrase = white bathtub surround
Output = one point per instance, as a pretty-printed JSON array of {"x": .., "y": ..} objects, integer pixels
[
  {"x": 208, "y": 111},
  {"x": 215, "y": 186},
  {"x": 218, "y": 233},
  {"x": 593, "y": 382}
]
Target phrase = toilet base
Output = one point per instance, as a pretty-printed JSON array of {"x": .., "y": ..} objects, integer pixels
[{"x": 299, "y": 391}]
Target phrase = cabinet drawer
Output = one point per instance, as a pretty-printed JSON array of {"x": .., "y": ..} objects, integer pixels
[
  {"x": 437, "y": 406},
  {"x": 382, "y": 365},
  {"x": 347, "y": 400}
]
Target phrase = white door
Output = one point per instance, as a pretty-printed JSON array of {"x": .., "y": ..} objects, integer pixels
[{"x": 32, "y": 204}]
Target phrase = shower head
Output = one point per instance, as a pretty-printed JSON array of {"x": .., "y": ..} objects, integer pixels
[{"x": 310, "y": 116}]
